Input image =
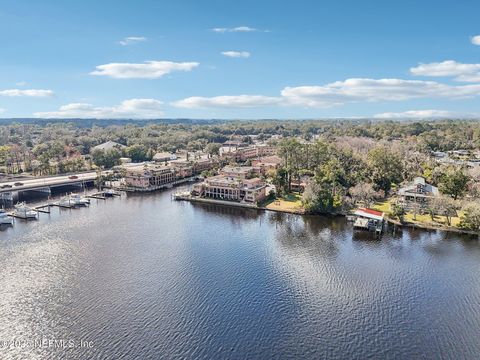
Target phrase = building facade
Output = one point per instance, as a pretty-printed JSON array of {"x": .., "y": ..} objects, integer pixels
[
  {"x": 149, "y": 177},
  {"x": 418, "y": 191},
  {"x": 250, "y": 152},
  {"x": 223, "y": 187}
]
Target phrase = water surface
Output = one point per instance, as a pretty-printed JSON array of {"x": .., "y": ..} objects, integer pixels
[{"x": 145, "y": 277}]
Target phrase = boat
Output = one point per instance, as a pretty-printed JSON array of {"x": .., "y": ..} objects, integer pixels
[
  {"x": 5, "y": 219},
  {"x": 109, "y": 193},
  {"x": 24, "y": 212},
  {"x": 80, "y": 200},
  {"x": 67, "y": 201}
]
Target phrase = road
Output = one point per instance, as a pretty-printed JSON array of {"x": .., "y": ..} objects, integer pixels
[{"x": 32, "y": 184}]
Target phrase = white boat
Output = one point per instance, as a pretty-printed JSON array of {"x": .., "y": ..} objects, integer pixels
[
  {"x": 67, "y": 201},
  {"x": 5, "y": 219},
  {"x": 80, "y": 200},
  {"x": 23, "y": 211},
  {"x": 109, "y": 192}
]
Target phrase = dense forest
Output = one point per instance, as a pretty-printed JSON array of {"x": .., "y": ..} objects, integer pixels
[
  {"x": 34, "y": 146},
  {"x": 347, "y": 161},
  {"x": 181, "y": 134}
]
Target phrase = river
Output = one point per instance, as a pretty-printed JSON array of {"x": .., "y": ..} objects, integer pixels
[{"x": 145, "y": 277}]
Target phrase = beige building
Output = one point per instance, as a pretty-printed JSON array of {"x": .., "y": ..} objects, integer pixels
[
  {"x": 187, "y": 168},
  {"x": 149, "y": 177},
  {"x": 266, "y": 163},
  {"x": 250, "y": 152},
  {"x": 223, "y": 187},
  {"x": 164, "y": 156},
  {"x": 241, "y": 172}
]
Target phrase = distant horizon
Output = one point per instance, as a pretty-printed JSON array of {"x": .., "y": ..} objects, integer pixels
[{"x": 198, "y": 121}]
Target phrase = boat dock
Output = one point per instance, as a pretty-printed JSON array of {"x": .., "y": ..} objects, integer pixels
[
  {"x": 370, "y": 220},
  {"x": 41, "y": 208},
  {"x": 98, "y": 196},
  {"x": 46, "y": 208}
]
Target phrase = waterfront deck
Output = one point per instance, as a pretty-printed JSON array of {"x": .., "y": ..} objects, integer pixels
[
  {"x": 369, "y": 220},
  {"x": 156, "y": 187},
  {"x": 188, "y": 197}
]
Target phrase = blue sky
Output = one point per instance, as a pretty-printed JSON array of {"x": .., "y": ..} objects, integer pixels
[{"x": 239, "y": 59}]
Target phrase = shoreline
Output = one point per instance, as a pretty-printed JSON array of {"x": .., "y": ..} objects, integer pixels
[
  {"x": 184, "y": 197},
  {"x": 427, "y": 227}
]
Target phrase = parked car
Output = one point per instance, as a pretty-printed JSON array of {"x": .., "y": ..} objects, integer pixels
[
  {"x": 73, "y": 177},
  {"x": 6, "y": 186},
  {"x": 18, "y": 184}
]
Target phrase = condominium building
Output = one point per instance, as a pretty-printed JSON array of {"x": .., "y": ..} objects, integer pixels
[
  {"x": 189, "y": 167},
  {"x": 241, "y": 172},
  {"x": 231, "y": 188},
  {"x": 149, "y": 176},
  {"x": 250, "y": 152},
  {"x": 264, "y": 164}
]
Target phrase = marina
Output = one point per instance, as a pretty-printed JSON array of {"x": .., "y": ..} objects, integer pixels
[{"x": 69, "y": 201}]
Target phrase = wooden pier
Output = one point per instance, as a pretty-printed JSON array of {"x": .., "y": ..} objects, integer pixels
[
  {"x": 72, "y": 206},
  {"x": 97, "y": 196},
  {"x": 19, "y": 217},
  {"x": 46, "y": 207},
  {"x": 41, "y": 208}
]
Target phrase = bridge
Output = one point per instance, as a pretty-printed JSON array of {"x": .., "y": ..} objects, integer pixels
[{"x": 47, "y": 182}]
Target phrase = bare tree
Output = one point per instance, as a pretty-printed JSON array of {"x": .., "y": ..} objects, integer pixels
[
  {"x": 364, "y": 193},
  {"x": 446, "y": 206}
]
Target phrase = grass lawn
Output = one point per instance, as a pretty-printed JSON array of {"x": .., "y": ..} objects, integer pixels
[
  {"x": 383, "y": 206},
  {"x": 290, "y": 202},
  {"x": 424, "y": 219},
  {"x": 427, "y": 220}
]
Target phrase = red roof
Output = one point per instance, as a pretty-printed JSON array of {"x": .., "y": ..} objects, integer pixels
[{"x": 371, "y": 211}]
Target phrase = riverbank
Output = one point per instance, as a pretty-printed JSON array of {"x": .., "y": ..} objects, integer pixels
[
  {"x": 422, "y": 221},
  {"x": 429, "y": 227},
  {"x": 192, "y": 198},
  {"x": 293, "y": 206}
]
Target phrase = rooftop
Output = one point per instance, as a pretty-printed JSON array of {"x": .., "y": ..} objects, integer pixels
[
  {"x": 109, "y": 145},
  {"x": 237, "y": 169},
  {"x": 369, "y": 213}
]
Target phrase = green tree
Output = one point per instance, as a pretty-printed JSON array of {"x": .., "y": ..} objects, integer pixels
[
  {"x": 454, "y": 182},
  {"x": 291, "y": 152},
  {"x": 398, "y": 211},
  {"x": 137, "y": 153},
  {"x": 280, "y": 180},
  {"x": 471, "y": 218},
  {"x": 385, "y": 167},
  {"x": 319, "y": 198},
  {"x": 106, "y": 159},
  {"x": 212, "y": 149}
]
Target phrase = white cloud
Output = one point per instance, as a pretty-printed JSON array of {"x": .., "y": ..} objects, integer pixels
[
  {"x": 475, "y": 40},
  {"x": 461, "y": 72},
  {"x": 127, "y": 109},
  {"x": 146, "y": 70},
  {"x": 2, "y": 110},
  {"x": 425, "y": 114},
  {"x": 131, "y": 40},
  {"x": 235, "y": 29},
  {"x": 238, "y": 101},
  {"x": 21, "y": 83},
  {"x": 30, "y": 93},
  {"x": 236, "y": 54},
  {"x": 370, "y": 90},
  {"x": 340, "y": 92}
]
